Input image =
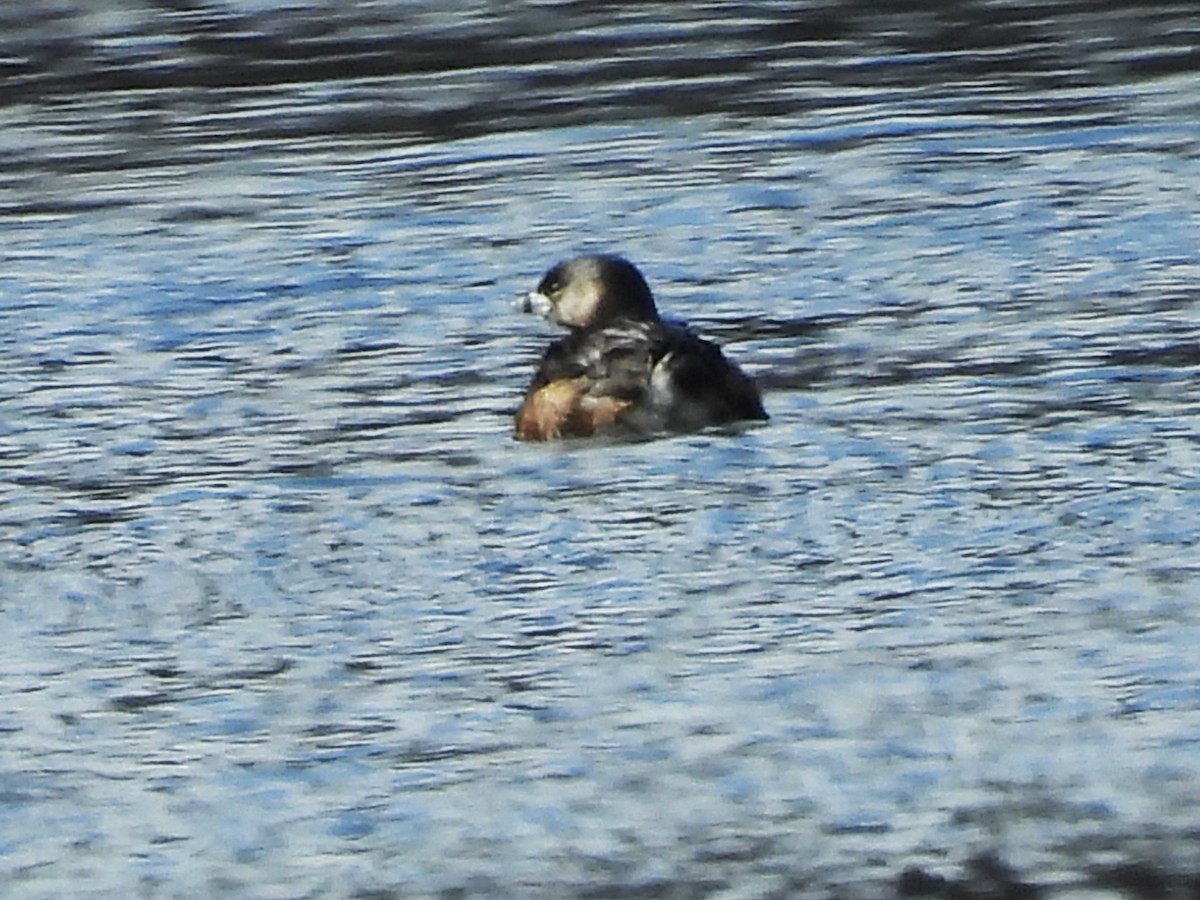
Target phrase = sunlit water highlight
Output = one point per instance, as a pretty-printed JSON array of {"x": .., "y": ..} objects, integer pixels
[{"x": 288, "y": 613}]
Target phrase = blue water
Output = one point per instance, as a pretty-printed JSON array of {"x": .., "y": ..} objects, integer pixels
[{"x": 287, "y": 612}]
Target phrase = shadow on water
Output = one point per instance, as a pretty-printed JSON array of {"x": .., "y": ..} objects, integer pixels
[
  {"x": 468, "y": 69},
  {"x": 288, "y": 611}
]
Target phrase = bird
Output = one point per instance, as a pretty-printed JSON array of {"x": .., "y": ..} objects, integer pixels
[{"x": 621, "y": 370}]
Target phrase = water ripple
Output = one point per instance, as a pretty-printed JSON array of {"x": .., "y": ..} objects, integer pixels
[{"x": 289, "y": 611}]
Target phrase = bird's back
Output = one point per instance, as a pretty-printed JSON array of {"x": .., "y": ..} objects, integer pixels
[{"x": 637, "y": 377}]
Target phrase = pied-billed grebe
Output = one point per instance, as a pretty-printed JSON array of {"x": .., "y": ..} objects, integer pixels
[{"x": 622, "y": 370}]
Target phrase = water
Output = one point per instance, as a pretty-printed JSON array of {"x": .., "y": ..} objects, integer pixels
[{"x": 288, "y": 613}]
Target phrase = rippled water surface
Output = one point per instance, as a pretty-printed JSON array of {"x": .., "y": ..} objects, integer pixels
[{"x": 287, "y": 612}]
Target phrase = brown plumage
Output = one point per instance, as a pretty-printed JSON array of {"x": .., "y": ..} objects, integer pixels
[{"x": 621, "y": 369}]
